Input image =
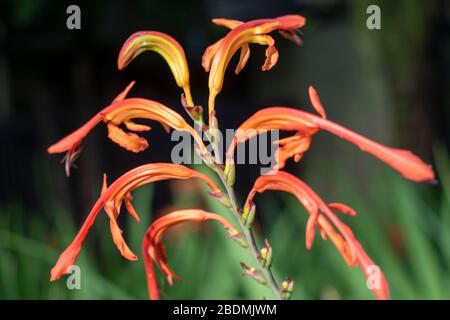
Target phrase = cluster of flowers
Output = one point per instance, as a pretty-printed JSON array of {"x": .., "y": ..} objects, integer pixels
[{"x": 123, "y": 112}]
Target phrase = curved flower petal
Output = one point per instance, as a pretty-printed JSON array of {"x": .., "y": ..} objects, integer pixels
[
  {"x": 217, "y": 57},
  {"x": 127, "y": 140},
  {"x": 228, "y": 23},
  {"x": 111, "y": 200},
  {"x": 307, "y": 124},
  {"x": 343, "y": 208},
  {"x": 164, "y": 45},
  {"x": 152, "y": 245},
  {"x": 321, "y": 215},
  {"x": 291, "y": 147}
]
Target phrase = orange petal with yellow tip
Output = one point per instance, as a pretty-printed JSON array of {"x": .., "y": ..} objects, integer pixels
[{"x": 161, "y": 43}]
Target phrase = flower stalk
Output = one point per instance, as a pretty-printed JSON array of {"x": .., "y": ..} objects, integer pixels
[
  {"x": 123, "y": 112},
  {"x": 249, "y": 235}
]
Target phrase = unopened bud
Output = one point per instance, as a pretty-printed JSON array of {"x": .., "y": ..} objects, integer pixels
[
  {"x": 230, "y": 173},
  {"x": 222, "y": 198},
  {"x": 265, "y": 256},
  {"x": 195, "y": 112},
  {"x": 286, "y": 288},
  {"x": 214, "y": 133},
  {"x": 254, "y": 274},
  {"x": 240, "y": 239}
]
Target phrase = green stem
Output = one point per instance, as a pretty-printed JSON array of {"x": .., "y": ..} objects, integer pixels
[{"x": 249, "y": 235}]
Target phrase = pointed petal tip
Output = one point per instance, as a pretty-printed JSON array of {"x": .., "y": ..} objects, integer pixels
[
  {"x": 315, "y": 101},
  {"x": 53, "y": 277}
]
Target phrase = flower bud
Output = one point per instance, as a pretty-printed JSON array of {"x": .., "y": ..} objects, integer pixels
[
  {"x": 222, "y": 198},
  {"x": 195, "y": 112},
  {"x": 240, "y": 239},
  {"x": 230, "y": 173},
  {"x": 254, "y": 274},
  {"x": 248, "y": 215},
  {"x": 265, "y": 256}
]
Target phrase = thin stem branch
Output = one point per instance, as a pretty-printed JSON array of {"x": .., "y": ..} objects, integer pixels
[{"x": 248, "y": 233}]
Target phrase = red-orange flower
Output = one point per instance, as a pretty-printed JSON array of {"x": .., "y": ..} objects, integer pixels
[
  {"x": 124, "y": 112},
  {"x": 322, "y": 217},
  {"x": 111, "y": 200},
  {"x": 307, "y": 124},
  {"x": 217, "y": 56},
  {"x": 153, "y": 249}
]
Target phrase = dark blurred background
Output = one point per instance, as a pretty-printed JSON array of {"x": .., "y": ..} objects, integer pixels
[{"x": 391, "y": 85}]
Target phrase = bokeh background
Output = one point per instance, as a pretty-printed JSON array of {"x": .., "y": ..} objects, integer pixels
[{"x": 391, "y": 85}]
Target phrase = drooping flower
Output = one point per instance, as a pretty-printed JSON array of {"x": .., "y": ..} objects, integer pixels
[
  {"x": 322, "y": 217},
  {"x": 164, "y": 45},
  {"x": 111, "y": 200},
  {"x": 71, "y": 144},
  {"x": 217, "y": 56},
  {"x": 153, "y": 249},
  {"x": 125, "y": 112},
  {"x": 307, "y": 124}
]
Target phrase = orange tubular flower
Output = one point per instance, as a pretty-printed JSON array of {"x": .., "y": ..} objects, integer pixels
[
  {"x": 71, "y": 143},
  {"x": 125, "y": 111},
  {"x": 111, "y": 200},
  {"x": 164, "y": 45},
  {"x": 153, "y": 249},
  {"x": 322, "y": 217},
  {"x": 217, "y": 56},
  {"x": 306, "y": 124}
]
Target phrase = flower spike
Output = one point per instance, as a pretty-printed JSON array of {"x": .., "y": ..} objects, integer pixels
[
  {"x": 307, "y": 124},
  {"x": 164, "y": 45},
  {"x": 111, "y": 200},
  {"x": 216, "y": 57},
  {"x": 153, "y": 249},
  {"x": 321, "y": 216}
]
